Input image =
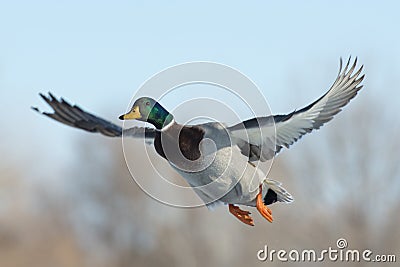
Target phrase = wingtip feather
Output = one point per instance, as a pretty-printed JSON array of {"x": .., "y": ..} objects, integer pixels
[{"x": 35, "y": 109}]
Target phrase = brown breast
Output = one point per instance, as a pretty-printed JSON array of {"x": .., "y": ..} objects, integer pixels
[{"x": 189, "y": 139}]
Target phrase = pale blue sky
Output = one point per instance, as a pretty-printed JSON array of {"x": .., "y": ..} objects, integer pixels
[{"x": 97, "y": 54}]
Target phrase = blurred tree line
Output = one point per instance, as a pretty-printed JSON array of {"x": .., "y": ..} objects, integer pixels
[{"x": 346, "y": 184}]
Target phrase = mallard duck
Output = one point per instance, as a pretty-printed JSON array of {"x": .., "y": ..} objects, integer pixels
[{"x": 218, "y": 160}]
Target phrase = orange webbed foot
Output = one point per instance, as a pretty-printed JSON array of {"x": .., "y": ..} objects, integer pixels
[
  {"x": 242, "y": 215},
  {"x": 262, "y": 208}
]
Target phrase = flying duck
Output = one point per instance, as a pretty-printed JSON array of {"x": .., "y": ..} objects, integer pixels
[{"x": 216, "y": 160}]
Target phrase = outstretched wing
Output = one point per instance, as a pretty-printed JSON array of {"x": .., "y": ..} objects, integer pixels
[
  {"x": 76, "y": 117},
  {"x": 260, "y": 140}
]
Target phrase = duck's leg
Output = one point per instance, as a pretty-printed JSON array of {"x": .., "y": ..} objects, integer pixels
[
  {"x": 242, "y": 215},
  {"x": 262, "y": 208}
]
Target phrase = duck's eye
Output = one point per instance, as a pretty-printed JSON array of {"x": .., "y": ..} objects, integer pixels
[{"x": 147, "y": 103}]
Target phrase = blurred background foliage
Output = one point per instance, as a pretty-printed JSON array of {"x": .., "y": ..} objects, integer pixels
[{"x": 101, "y": 217}]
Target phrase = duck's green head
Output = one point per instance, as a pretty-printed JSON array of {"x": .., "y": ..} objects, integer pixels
[{"x": 148, "y": 110}]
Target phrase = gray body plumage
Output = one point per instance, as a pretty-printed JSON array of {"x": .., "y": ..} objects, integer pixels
[{"x": 224, "y": 174}]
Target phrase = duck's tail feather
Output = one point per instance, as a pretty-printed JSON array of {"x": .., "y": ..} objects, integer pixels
[{"x": 275, "y": 192}]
